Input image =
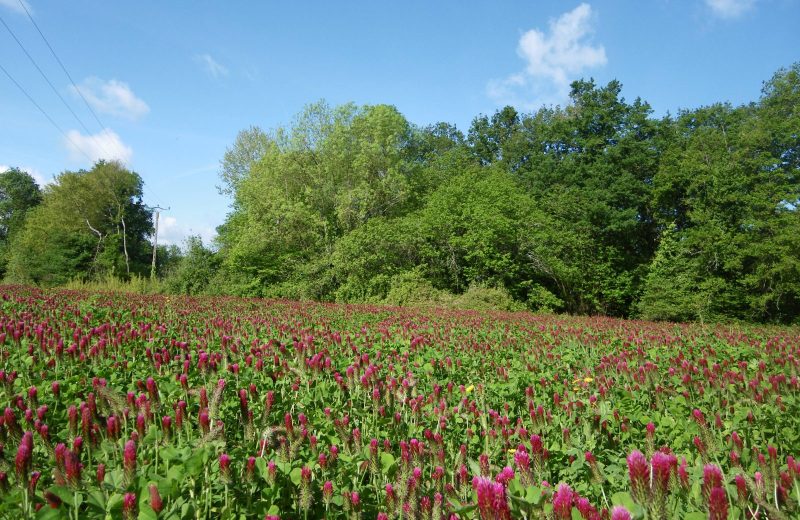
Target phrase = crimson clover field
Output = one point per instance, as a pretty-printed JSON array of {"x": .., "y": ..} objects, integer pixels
[{"x": 127, "y": 406}]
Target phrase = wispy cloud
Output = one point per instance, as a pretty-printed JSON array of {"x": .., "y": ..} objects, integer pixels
[
  {"x": 15, "y": 6},
  {"x": 730, "y": 8},
  {"x": 552, "y": 61},
  {"x": 211, "y": 66},
  {"x": 33, "y": 172},
  {"x": 173, "y": 232},
  {"x": 102, "y": 145},
  {"x": 112, "y": 97}
]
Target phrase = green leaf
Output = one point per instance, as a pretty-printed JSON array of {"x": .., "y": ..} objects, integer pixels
[
  {"x": 114, "y": 503},
  {"x": 146, "y": 512},
  {"x": 48, "y": 513},
  {"x": 387, "y": 461},
  {"x": 168, "y": 453},
  {"x": 474, "y": 467},
  {"x": 261, "y": 467},
  {"x": 64, "y": 493},
  {"x": 623, "y": 499},
  {"x": 463, "y": 510},
  {"x": 97, "y": 500},
  {"x": 175, "y": 473},
  {"x": 695, "y": 515},
  {"x": 533, "y": 495},
  {"x": 295, "y": 476}
]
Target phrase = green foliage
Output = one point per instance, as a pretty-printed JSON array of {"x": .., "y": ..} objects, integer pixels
[
  {"x": 540, "y": 299},
  {"x": 411, "y": 288},
  {"x": 470, "y": 227},
  {"x": 194, "y": 270},
  {"x": 90, "y": 224},
  {"x": 566, "y": 209},
  {"x": 486, "y": 298},
  {"x": 364, "y": 261},
  {"x": 595, "y": 207},
  {"x": 671, "y": 289},
  {"x": 250, "y": 146},
  {"x": 19, "y": 193}
]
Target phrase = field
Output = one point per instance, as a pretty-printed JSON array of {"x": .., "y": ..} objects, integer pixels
[{"x": 126, "y": 406}]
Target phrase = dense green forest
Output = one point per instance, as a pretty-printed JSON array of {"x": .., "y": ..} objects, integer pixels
[{"x": 597, "y": 207}]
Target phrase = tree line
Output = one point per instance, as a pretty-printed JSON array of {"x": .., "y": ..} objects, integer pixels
[{"x": 597, "y": 207}]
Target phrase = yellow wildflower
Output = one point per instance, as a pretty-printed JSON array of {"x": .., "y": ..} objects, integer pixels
[
  {"x": 470, "y": 388},
  {"x": 587, "y": 379}
]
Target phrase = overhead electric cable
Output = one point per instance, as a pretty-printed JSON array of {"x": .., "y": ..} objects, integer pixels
[
  {"x": 54, "y": 89},
  {"x": 61, "y": 64},
  {"x": 74, "y": 86},
  {"x": 50, "y": 83},
  {"x": 44, "y": 113}
]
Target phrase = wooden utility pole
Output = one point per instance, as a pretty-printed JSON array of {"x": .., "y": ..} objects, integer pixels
[{"x": 155, "y": 242}]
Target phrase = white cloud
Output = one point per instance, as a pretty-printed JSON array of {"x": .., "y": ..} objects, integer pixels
[
  {"x": 552, "y": 61},
  {"x": 730, "y": 8},
  {"x": 15, "y": 6},
  {"x": 211, "y": 66},
  {"x": 112, "y": 97},
  {"x": 102, "y": 145},
  {"x": 172, "y": 232},
  {"x": 33, "y": 172}
]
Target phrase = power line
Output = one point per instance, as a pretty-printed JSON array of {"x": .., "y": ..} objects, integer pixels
[
  {"x": 45, "y": 114},
  {"x": 53, "y": 52},
  {"x": 74, "y": 86},
  {"x": 52, "y": 87},
  {"x": 72, "y": 82}
]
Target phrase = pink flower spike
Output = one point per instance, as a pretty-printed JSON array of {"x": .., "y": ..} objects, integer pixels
[
  {"x": 562, "y": 502},
  {"x": 718, "y": 504},
  {"x": 639, "y": 474}
]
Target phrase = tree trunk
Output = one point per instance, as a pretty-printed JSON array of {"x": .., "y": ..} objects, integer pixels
[{"x": 125, "y": 247}]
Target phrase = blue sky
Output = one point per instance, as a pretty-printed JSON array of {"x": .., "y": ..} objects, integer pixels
[{"x": 173, "y": 82}]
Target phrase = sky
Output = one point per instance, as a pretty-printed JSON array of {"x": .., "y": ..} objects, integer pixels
[{"x": 165, "y": 87}]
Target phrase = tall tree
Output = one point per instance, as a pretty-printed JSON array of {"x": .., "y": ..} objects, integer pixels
[
  {"x": 730, "y": 182},
  {"x": 19, "y": 193},
  {"x": 590, "y": 166},
  {"x": 327, "y": 175},
  {"x": 488, "y": 137},
  {"x": 90, "y": 223},
  {"x": 249, "y": 147}
]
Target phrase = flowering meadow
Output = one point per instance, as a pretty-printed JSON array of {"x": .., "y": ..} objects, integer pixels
[{"x": 126, "y": 406}]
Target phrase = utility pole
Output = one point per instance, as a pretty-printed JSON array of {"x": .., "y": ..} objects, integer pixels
[{"x": 155, "y": 241}]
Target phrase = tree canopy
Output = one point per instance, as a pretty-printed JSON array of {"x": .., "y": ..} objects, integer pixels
[
  {"x": 90, "y": 223},
  {"x": 19, "y": 193},
  {"x": 596, "y": 207}
]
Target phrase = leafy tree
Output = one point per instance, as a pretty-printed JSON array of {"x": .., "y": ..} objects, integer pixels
[
  {"x": 594, "y": 208},
  {"x": 470, "y": 227},
  {"x": 19, "y": 193},
  {"x": 327, "y": 175},
  {"x": 194, "y": 270},
  {"x": 365, "y": 261},
  {"x": 730, "y": 182},
  {"x": 488, "y": 137},
  {"x": 248, "y": 148},
  {"x": 672, "y": 283},
  {"x": 90, "y": 223},
  {"x": 590, "y": 167}
]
